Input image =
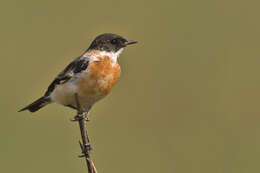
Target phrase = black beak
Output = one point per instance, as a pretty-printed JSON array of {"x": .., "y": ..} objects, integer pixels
[{"x": 130, "y": 42}]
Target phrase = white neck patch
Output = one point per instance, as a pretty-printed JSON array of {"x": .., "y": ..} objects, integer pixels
[{"x": 112, "y": 55}]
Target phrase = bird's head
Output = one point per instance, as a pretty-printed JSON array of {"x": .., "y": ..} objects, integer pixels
[{"x": 111, "y": 43}]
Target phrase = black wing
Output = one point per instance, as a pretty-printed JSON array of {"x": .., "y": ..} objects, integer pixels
[{"x": 73, "y": 68}]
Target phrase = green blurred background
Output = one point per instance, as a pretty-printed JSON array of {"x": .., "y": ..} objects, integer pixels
[{"x": 187, "y": 101}]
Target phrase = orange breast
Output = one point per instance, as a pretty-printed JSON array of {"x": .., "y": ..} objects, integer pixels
[{"x": 101, "y": 78}]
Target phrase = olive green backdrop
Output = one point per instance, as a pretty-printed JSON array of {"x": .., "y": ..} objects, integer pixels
[{"x": 187, "y": 101}]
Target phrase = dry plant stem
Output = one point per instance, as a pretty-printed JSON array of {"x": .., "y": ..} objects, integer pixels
[{"x": 85, "y": 144}]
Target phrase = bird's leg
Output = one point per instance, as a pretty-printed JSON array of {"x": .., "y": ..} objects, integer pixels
[{"x": 81, "y": 113}]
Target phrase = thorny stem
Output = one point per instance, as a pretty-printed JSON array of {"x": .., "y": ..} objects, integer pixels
[{"x": 85, "y": 144}]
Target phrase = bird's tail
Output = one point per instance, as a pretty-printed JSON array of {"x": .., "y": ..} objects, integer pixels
[{"x": 36, "y": 105}]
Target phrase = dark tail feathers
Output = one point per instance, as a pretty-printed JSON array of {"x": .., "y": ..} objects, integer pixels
[{"x": 38, "y": 104}]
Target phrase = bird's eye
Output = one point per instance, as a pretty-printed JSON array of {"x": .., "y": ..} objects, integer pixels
[{"x": 114, "y": 41}]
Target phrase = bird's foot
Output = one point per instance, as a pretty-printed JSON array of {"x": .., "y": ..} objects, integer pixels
[{"x": 81, "y": 116}]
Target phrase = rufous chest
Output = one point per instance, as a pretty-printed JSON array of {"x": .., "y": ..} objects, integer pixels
[{"x": 101, "y": 77}]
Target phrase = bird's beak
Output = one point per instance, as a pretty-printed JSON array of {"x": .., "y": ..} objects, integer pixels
[{"x": 130, "y": 42}]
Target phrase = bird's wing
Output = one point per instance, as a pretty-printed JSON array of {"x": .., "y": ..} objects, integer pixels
[{"x": 76, "y": 66}]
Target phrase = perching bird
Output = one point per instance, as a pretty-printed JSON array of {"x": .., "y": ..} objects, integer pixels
[{"x": 91, "y": 76}]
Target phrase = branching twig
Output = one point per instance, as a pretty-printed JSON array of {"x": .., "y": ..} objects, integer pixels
[{"x": 81, "y": 117}]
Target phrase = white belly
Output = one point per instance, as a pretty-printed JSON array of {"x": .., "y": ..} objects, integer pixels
[{"x": 65, "y": 95}]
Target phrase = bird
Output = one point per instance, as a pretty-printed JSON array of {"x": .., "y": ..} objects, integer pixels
[{"x": 91, "y": 76}]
